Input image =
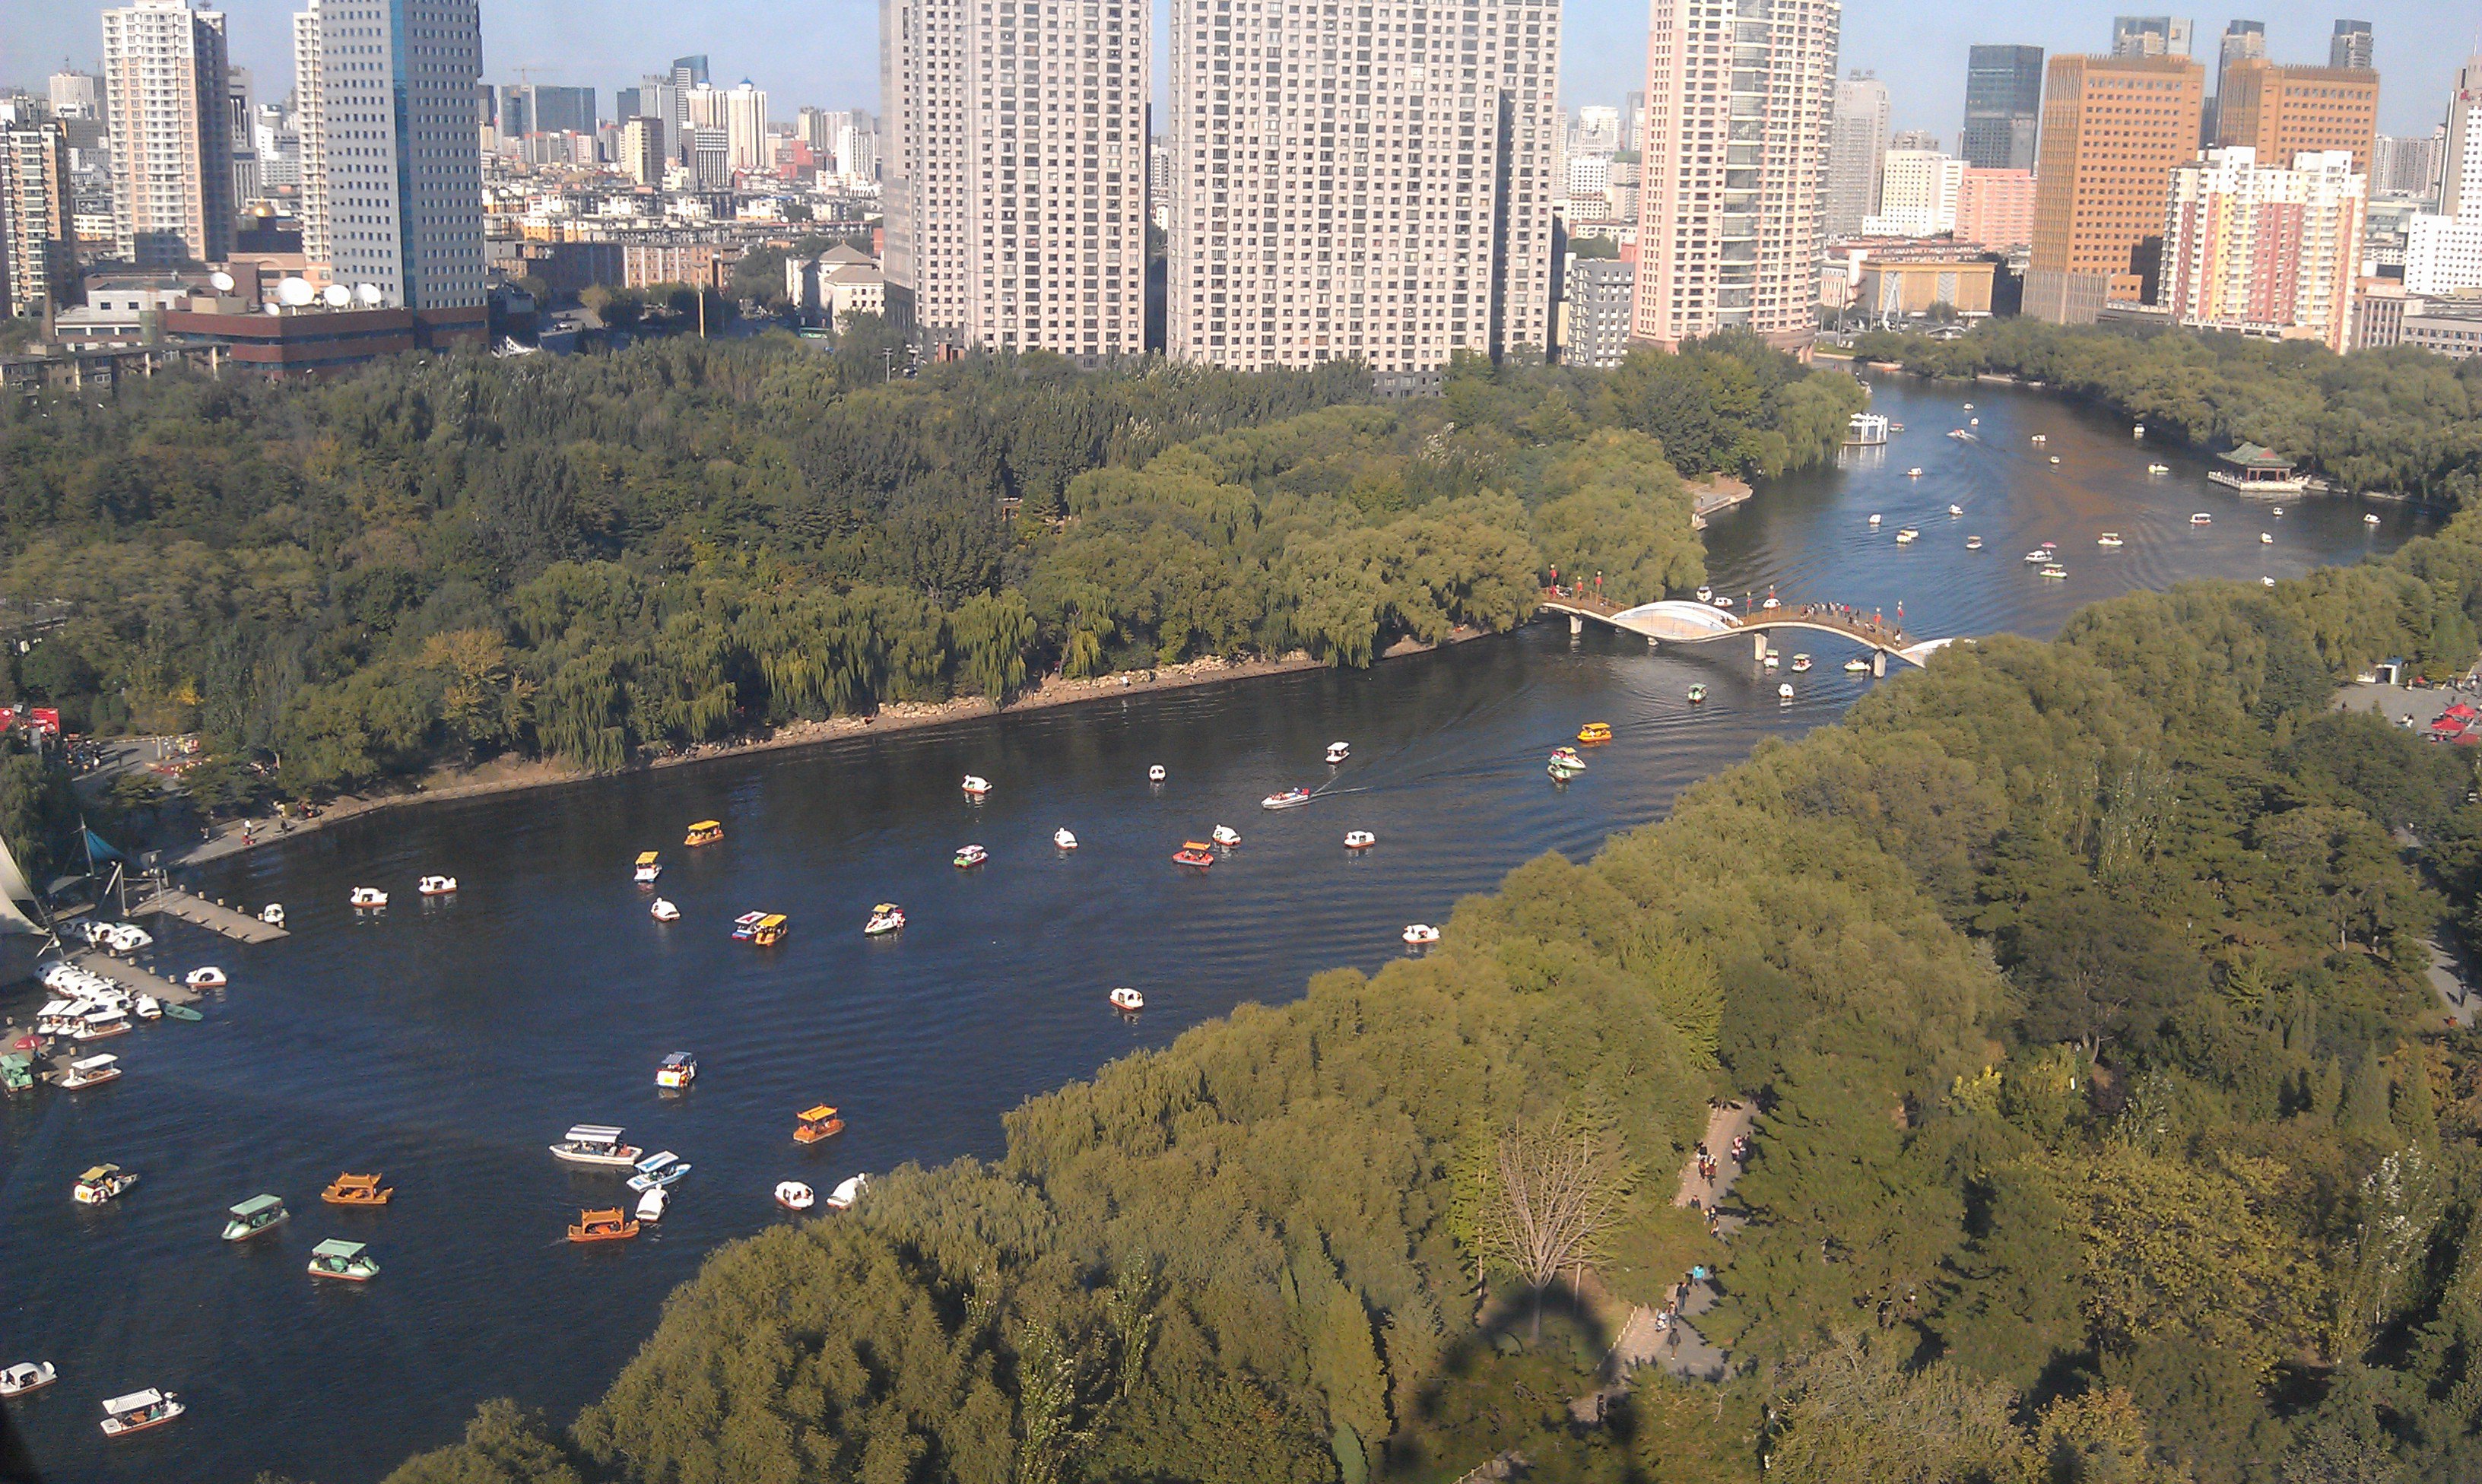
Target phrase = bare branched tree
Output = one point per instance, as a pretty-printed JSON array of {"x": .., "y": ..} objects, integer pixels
[{"x": 1562, "y": 1188}]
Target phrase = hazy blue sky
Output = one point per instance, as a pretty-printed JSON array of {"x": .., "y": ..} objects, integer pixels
[{"x": 827, "y": 53}]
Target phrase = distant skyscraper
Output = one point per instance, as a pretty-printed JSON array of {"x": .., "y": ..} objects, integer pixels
[
  {"x": 172, "y": 158},
  {"x": 1397, "y": 216},
  {"x": 1737, "y": 155},
  {"x": 1919, "y": 141},
  {"x": 642, "y": 150},
  {"x": 2113, "y": 130},
  {"x": 239, "y": 124},
  {"x": 392, "y": 189},
  {"x": 2149, "y": 36},
  {"x": 2444, "y": 250},
  {"x": 2242, "y": 40},
  {"x": 2281, "y": 111},
  {"x": 1857, "y": 151},
  {"x": 38, "y": 240},
  {"x": 2003, "y": 107},
  {"x": 689, "y": 71},
  {"x": 1014, "y": 216},
  {"x": 745, "y": 124},
  {"x": 2261, "y": 248},
  {"x": 1633, "y": 122},
  {"x": 2351, "y": 46}
]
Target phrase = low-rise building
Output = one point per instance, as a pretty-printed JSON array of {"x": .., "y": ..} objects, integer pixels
[
  {"x": 1596, "y": 301},
  {"x": 834, "y": 286},
  {"x": 2444, "y": 327}
]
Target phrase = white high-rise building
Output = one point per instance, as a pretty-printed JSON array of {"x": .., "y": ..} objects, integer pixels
[
  {"x": 1369, "y": 182},
  {"x": 1013, "y": 171},
  {"x": 391, "y": 181},
  {"x": 1917, "y": 195},
  {"x": 1597, "y": 131},
  {"x": 2264, "y": 250},
  {"x": 164, "y": 105},
  {"x": 745, "y": 125},
  {"x": 1857, "y": 154},
  {"x": 1739, "y": 99},
  {"x": 75, "y": 95},
  {"x": 2444, "y": 250}
]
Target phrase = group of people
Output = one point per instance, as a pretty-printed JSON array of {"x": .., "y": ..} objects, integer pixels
[
  {"x": 1710, "y": 1171},
  {"x": 1874, "y": 620}
]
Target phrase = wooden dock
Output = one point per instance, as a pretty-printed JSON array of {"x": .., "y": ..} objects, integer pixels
[
  {"x": 213, "y": 916},
  {"x": 138, "y": 981}
]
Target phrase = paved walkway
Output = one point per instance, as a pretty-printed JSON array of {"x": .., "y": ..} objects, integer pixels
[{"x": 1682, "y": 1350}]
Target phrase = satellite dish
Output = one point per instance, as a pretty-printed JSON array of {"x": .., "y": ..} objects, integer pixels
[
  {"x": 273, "y": 308},
  {"x": 336, "y": 296},
  {"x": 368, "y": 293},
  {"x": 223, "y": 281},
  {"x": 296, "y": 292}
]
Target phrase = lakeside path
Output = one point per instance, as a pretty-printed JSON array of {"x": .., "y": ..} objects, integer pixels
[
  {"x": 234, "y": 836},
  {"x": 1684, "y": 1351}
]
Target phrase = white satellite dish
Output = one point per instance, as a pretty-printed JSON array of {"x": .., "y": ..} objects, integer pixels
[
  {"x": 368, "y": 293},
  {"x": 296, "y": 292},
  {"x": 336, "y": 296},
  {"x": 273, "y": 308},
  {"x": 223, "y": 281}
]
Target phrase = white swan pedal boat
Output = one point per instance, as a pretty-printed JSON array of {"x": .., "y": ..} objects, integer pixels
[
  {"x": 437, "y": 886},
  {"x": 793, "y": 1195},
  {"x": 1420, "y": 934},
  {"x": 847, "y": 1191},
  {"x": 663, "y": 911},
  {"x": 1063, "y": 839},
  {"x": 1359, "y": 840},
  {"x": 977, "y": 787},
  {"x": 369, "y": 896},
  {"x": 1126, "y": 999},
  {"x": 1225, "y": 836}
]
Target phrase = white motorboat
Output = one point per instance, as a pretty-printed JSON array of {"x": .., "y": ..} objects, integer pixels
[
  {"x": 2055, "y": 572},
  {"x": 886, "y": 918},
  {"x": 1337, "y": 752},
  {"x": 2266, "y": 538},
  {"x": 651, "y": 1206},
  {"x": 88, "y": 1071},
  {"x": 1126, "y": 999},
  {"x": 1771, "y": 602},
  {"x": 663, "y": 911},
  {"x": 2038, "y": 556},
  {"x": 369, "y": 896},
  {"x": 139, "y": 1411},
  {"x": 437, "y": 886},
  {"x": 1359, "y": 840},
  {"x": 206, "y": 977},
  {"x": 27, "y": 1377},
  {"x": 1225, "y": 836},
  {"x": 272, "y": 914},
  {"x": 1420, "y": 936},
  {"x": 677, "y": 1070},
  {"x": 658, "y": 1170},
  {"x": 1784, "y": 690},
  {"x": 148, "y": 1007},
  {"x": 847, "y": 1191},
  {"x": 102, "y": 1185},
  {"x": 1061, "y": 838},
  {"x": 1290, "y": 798},
  {"x": 2201, "y": 518},
  {"x": 1800, "y": 664},
  {"x": 793, "y": 1195},
  {"x": 1155, "y": 774},
  {"x": 595, "y": 1144},
  {"x": 2110, "y": 539},
  {"x": 977, "y": 787}
]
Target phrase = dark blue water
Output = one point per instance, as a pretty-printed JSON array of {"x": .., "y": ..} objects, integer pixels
[{"x": 446, "y": 1045}]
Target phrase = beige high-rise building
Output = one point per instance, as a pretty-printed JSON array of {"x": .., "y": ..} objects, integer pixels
[
  {"x": 164, "y": 100},
  {"x": 2281, "y": 111},
  {"x": 1370, "y": 182},
  {"x": 1013, "y": 171},
  {"x": 2114, "y": 128},
  {"x": 745, "y": 127},
  {"x": 2265, "y": 248},
  {"x": 1739, "y": 95},
  {"x": 38, "y": 240}
]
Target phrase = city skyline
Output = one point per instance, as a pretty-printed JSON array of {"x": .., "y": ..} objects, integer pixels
[{"x": 1919, "y": 50}]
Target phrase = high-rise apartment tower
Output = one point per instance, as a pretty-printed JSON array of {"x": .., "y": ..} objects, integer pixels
[
  {"x": 391, "y": 184},
  {"x": 2352, "y": 45},
  {"x": 1014, "y": 168},
  {"x": 2114, "y": 128},
  {"x": 1379, "y": 183},
  {"x": 1738, "y": 100},
  {"x": 38, "y": 240},
  {"x": 165, "y": 99},
  {"x": 2003, "y": 107}
]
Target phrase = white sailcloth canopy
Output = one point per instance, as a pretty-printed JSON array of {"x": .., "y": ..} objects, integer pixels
[{"x": 17, "y": 901}]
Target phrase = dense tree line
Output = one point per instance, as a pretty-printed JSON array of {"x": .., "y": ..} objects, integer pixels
[
  {"x": 2398, "y": 422},
  {"x": 436, "y": 561},
  {"x": 2108, "y": 1132}
]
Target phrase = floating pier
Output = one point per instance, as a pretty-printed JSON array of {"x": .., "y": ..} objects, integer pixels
[
  {"x": 137, "y": 981},
  {"x": 213, "y": 916}
]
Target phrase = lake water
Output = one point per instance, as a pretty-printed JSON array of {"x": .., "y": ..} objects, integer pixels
[{"x": 446, "y": 1043}]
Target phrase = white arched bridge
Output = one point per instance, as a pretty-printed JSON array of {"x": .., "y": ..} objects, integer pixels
[{"x": 1680, "y": 621}]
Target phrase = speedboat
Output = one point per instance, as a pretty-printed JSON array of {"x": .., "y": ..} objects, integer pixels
[
  {"x": 658, "y": 1169},
  {"x": 1874, "y": 518},
  {"x": 886, "y": 918},
  {"x": 813, "y": 1125},
  {"x": 1698, "y": 694},
  {"x": 1955, "y": 510},
  {"x": 847, "y": 1191},
  {"x": 1359, "y": 840},
  {"x": 1420, "y": 936},
  {"x": 2038, "y": 556},
  {"x": 259, "y": 1214},
  {"x": 1595, "y": 732},
  {"x": 139, "y": 1411},
  {"x": 648, "y": 869},
  {"x": 1193, "y": 853},
  {"x": 27, "y": 1377},
  {"x": 705, "y": 832},
  {"x": 1225, "y": 835},
  {"x": 1974, "y": 543},
  {"x": 969, "y": 856},
  {"x": 1063, "y": 839},
  {"x": 2055, "y": 571},
  {"x": 102, "y": 1184},
  {"x": 1155, "y": 774},
  {"x": 2369, "y": 520},
  {"x": 2109, "y": 538},
  {"x": 1799, "y": 663},
  {"x": 209, "y": 977},
  {"x": 976, "y": 787},
  {"x": 351, "y": 1262},
  {"x": 1566, "y": 765},
  {"x": 2158, "y": 470},
  {"x": 793, "y": 1195},
  {"x": 651, "y": 1206},
  {"x": 1290, "y": 798},
  {"x": 272, "y": 914},
  {"x": 663, "y": 911},
  {"x": 1857, "y": 666},
  {"x": 2201, "y": 518},
  {"x": 1783, "y": 691},
  {"x": 1907, "y": 537},
  {"x": 437, "y": 886},
  {"x": 88, "y": 1071},
  {"x": 678, "y": 1069},
  {"x": 597, "y": 1144},
  {"x": 2266, "y": 538},
  {"x": 1337, "y": 752},
  {"x": 1126, "y": 999},
  {"x": 1959, "y": 434},
  {"x": 351, "y": 1189},
  {"x": 369, "y": 896},
  {"x": 608, "y": 1224}
]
